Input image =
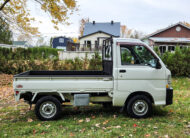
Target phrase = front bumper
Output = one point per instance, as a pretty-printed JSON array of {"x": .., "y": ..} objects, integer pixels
[{"x": 169, "y": 96}]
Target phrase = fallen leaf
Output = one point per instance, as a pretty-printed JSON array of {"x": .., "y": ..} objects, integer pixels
[
  {"x": 72, "y": 135},
  {"x": 93, "y": 117},
  {"x": 105, "y": 122},
  {"x": 166, "y": 136},
  {"x": 103, "y": 128},
  {"x": 34, "y": 131},
  {"x": 130, "y": 135},
  {"x": 80, "y": 121},
  {"x": 82, "y": 130},
  {"x": 30, "y": 120},
  {"x": 87, "y": 119},
  {"x": 147, "y": 135},
  {"x": 155, "y": 127},
  {"x": 39, "y": 124},
  {"x": 117, "y": 127},
  {"x": 97, "y": 125},
  {"x": 48, "y": 126},
  {"x": 114, "y": 116}
]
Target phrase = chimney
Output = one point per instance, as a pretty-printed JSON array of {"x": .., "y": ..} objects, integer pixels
[
  {"x": 94, "y": 22},
  {"x": 112, "y": 22}
]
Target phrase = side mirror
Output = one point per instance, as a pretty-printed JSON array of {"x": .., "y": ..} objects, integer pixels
[{"x": 158, "y": 65}]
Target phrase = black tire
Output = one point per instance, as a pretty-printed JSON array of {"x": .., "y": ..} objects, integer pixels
[
  {"x": 48, "y": 103},
  {"x": 139, "y": 106}
]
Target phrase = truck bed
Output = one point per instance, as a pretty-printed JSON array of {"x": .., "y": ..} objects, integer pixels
[
  {"x": 63, "y": 74},
  {"x": 64, "y": 81}
]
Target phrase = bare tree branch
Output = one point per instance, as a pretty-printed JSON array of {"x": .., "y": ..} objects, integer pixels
[
  {"x": 3, "y": 5},
  {"x": 38, "y": 2}
]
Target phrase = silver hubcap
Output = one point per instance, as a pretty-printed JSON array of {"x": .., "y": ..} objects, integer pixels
[
  {"x": 48, "y": 109},
  {"x": 140, "y": 107}
]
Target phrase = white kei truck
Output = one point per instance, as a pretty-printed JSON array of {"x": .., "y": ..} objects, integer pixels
[{"x": 133, "y": 77}]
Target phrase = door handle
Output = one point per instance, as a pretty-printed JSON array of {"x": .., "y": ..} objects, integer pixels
[{"x": 122, "y": 71}]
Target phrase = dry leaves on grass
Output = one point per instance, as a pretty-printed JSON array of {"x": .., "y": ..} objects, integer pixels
[
  {"x": 30, "y": 120},
  {"x": 7, "y": 94},
  {"x": 6, "y": 80},
  {"x": 81, "y": 120}
]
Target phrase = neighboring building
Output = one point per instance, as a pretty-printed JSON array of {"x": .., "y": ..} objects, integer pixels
[
  {"x": 95, "y": 33},
  {"x": 168, "y": 38},
  {"x": 61, "y": 42},
  {"x": 21, "y": 44}
]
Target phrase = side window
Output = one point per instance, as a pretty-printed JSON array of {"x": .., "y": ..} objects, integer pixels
[
  {"x": 137, "y": 55},
  {"x": 126, "y": 56}
]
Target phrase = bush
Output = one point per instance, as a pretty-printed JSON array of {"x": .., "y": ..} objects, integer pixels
[
  {"x": 21, "y": 60},
  {"x": 177, "y": 62},
  {"x": 36, "y": 53},
  {"x": 96, "y": 62}
]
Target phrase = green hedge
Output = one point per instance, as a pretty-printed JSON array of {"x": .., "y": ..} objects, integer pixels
[
  {"x": 21, "y": 60},
  {"x": 36, "y": 53},
  {"x": 178, "y": 62}
]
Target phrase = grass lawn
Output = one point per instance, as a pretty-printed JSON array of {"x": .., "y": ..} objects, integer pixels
[{"x": 16, "y": 120}]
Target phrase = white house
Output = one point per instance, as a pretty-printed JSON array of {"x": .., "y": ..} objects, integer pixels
[{"x": 95, "y": 33}]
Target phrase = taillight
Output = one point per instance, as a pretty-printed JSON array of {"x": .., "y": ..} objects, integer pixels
[
  {"x": 19, "y": 86},
  {"x": 17, "y": 92}
]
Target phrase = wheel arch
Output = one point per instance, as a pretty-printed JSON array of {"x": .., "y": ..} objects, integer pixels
[
  {"x": 139, "y": 93},
  {"x": 39, "y": 95}
]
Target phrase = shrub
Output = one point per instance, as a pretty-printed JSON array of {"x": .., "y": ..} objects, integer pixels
[
  {"x": 96, "y": 62},
  {"x": 177, "y": 62}
]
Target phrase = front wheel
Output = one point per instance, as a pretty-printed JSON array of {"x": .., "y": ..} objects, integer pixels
[
  {"x": 139, "y": 106},
  {"x": 48, "y": 108}
]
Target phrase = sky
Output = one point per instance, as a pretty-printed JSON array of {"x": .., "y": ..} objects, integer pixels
[{"x": 146, "y": 16}]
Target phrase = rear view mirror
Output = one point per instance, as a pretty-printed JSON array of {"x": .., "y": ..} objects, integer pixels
[{"x": 158, "y": 65}]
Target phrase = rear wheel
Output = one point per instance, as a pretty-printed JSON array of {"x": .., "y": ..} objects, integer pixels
[
  {"x": 139, "y": 106},
  {"x": 48, "y": 108}
]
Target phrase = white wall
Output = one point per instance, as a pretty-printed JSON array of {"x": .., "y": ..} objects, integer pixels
[
  {"x": 93, "y": 38},
  {"x": 73, "y": 54}
]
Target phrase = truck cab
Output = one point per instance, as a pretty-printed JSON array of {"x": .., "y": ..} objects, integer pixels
[{"x": 133, "y": 77}]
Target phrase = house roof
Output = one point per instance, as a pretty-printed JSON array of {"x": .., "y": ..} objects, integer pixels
[
  {"x": 164, "y": 29},
  {"x": 19, "y": 43},
  {"x": 95, "y": 33},
  {"x": 170, "y": 39},
  {"x": 109, "y": 28}
]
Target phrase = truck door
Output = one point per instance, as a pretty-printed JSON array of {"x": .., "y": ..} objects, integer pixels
[{"x": 137, "y": 71}]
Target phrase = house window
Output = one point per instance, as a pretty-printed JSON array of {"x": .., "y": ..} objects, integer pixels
[
  {"x": 171, "y": 48},
  {"x": 61, "y": 40},
  {"x": 96, "y": 43},
  {"x": 88, "y": 43},
  {"x": 162, "y": 49}
]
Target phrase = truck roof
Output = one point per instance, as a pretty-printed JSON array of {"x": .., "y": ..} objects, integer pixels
[{"x": 127, "y": 40}]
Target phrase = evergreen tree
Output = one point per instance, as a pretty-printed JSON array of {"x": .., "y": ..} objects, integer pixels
[{"x": 5, "y": 33}]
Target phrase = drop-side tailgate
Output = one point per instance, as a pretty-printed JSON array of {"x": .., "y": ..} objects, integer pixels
[{"x": 64, "y": 84}]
